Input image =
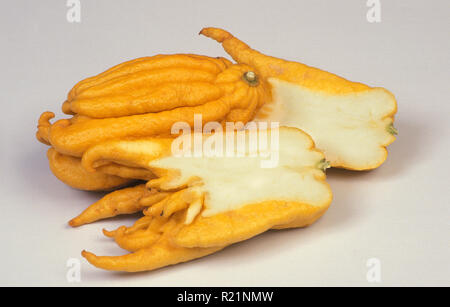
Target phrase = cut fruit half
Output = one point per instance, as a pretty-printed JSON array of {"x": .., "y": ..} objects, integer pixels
[
  {"x": 351, "y": 122},
  {"x": 217, "y": 197}
]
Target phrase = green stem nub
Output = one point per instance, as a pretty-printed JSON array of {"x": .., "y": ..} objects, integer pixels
[
  {"x": 251, "y": 78},
  {"x": 391, "y": 129},
  {"x": 323, "y": 165}
]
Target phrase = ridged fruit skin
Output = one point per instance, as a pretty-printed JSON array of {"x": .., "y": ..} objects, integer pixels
[{"x": 146, "y": 96}]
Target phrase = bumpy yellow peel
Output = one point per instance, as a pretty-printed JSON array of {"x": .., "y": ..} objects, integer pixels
[
  {"x": 69, "y": 170},
  {"x": 214, "y": 200},
  {"x": 147, "y": 96}
]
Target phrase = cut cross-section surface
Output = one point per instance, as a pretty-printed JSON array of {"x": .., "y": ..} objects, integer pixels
[
  {"x": 214, "y": 199},
  {"x": 350, "y": 121}
]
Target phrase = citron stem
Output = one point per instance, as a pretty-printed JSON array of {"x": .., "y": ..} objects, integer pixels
[
  {"x": 251, "y": 78},
  {"x": 391, "y": 129},
  {"x": 323, "y": 165}
]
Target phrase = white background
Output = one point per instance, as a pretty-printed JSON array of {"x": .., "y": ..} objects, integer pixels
[{"x": 398, "y": 213}]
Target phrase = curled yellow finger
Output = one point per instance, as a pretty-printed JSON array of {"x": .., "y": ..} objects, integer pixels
[
  {"x": 124, "y": 201},
  {"x": 70, "y": 171}
]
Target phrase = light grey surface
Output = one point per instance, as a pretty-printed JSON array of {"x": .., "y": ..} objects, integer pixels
[{"x": 398, "y": 213}]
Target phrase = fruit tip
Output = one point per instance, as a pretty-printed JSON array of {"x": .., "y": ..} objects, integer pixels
[
  {"x": 108, "y": 233},
  {"x": 72, "y": 223}
]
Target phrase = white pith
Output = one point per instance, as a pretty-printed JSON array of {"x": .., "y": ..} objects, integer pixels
[
  {"x": 351, "y": 129},
  {"x": 229, "y": 183}
]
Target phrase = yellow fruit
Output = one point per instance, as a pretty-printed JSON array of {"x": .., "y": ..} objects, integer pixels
[
  {"x": 214, "y": 200},
  {"x": 124, "y": 201},
  {"x": 351, "y": 122},
  {"x": 69, "y": 170},
  {"x": 145, "y": 97}
]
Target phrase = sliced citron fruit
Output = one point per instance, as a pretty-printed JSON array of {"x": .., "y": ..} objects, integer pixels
[
  {"x": 215, "y": 199},
  {"x": 351, "y": 122}
]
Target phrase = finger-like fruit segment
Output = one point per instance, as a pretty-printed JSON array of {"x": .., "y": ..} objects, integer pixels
[
  {"x": 159, "y": 255},
  {"x": 122, "y": 201},
  {"x": 69, "y": 170},
  {"x": 218, "y": 199},
  {"x": 148, "y": 64},
  {"x": 166, "y": 96},
  {"x": 126, "y": 171},
  {"x": 42, "y": 134}
]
